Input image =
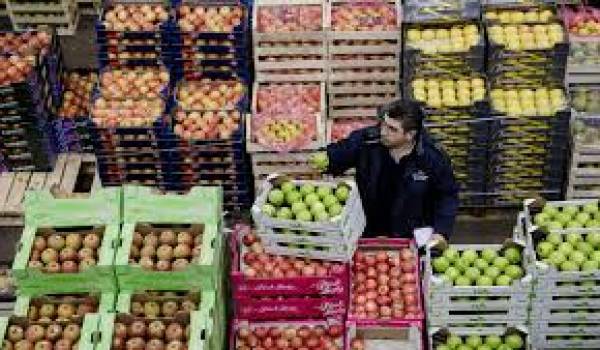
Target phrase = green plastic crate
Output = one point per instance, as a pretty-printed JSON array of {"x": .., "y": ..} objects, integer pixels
[
  {"x": 89, "y": 326},
  {"x": 106, "y": 301},
  {"x": 200, "y": 204},
  {"x": 43, "y": 209},
  {"x": 125, "y": 299},
  {"x": 213, "y": 310},
  {"x": 99, "y": 278},
  {"x": 205, "y": 273},
  {"x": 195, "y": 320}
]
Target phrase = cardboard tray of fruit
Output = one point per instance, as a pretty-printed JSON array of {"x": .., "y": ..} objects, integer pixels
[
  {"x": 350, "y": 219},
  {"x": 379, "y": 20},
  {"x": 172, "y": 330},
  {"x": 18, "y": 332},
  {"x": 515, "y": 336},
  {"x": 285, "y": 333},
  {"x": 398, "y": 336},
  {"x": 284, "y": 13},
  {"x": 270, "y": 308},
  {"x": 514, "y": 282},
  {"x": 333, "y": 285},
  {"x": 54, "y": 307}
]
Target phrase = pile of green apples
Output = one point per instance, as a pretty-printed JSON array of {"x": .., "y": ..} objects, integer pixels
[
  {"x": 553, "y": 217},
  {"x": 571, "y": 251},
  {"x": 476, "y": 342},
  {"x": 306, "y": 202},
  {"x": 485, "y": 268}
]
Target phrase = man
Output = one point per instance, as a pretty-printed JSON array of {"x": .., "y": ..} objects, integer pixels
[{"x": 406, "y": 182}]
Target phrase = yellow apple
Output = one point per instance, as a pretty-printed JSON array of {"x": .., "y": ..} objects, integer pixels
[
  {"x": 477, "y": 83},
  {"x": 429, "y": 49},
  {"x": 445, "y": 47},
  {"x": 458, "y": 46},
  {"x": 449, "y": 101},
  {"x": 496, "y": 30},
  {"x": 511, "y": 95},
  {"x": 442, "y": 34},
  {"x": 517, "y": 17},
  {"x": 555, "y": 37},
  {"x": 434, "y": 102},
  {"x": 433, "y": 95},
  {"x": 539, "y": 29},
  {"x": 555, "y": 27},
  {"x": 447, "y": 84},
  {"x": 413, "y": 35},
  {"x": 530, "y": 110},
  {"x": 514, "y": 44},
  {"x": 420, "y": 95},
  {"x": 463, "y": 84},
  {"x": 478, "y": 93},
  {"x": 504, "y": 17},
  {"x": 464, "y": 102},
  {"x": 470, "y": 29},
  {"x": 418, "y": 84},
  {"x": 463, "y": 93},
  {"x": 541, "y": 92},
  {"x": 532, "y": 16},
  {"x": 456, "y": 32},
  {"x": 428, "y": 34},
  {"x": 448, "y": 92},
  {"x": 432, "y": 84},
  {"x": 499, "y": 105},
  {"x": 544, "y": 110},
  {"x": 511, "y": 30},
  {"x": 514, "y": 111},
  {"x": 556, "y": 93},
  {"x": 546, "y": 15},
  {"x": 497, "y": 94},
  {"x": 491, "y": 15}
]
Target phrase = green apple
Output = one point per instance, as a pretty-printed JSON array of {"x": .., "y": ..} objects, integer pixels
[
  {"x": 292, "y": 197},
  {"x": 269, "y": 209},
  {"x": 503, "y": 347},
  {"x": 557, "y": 258},
  {"x": 284, "y": 213},
  {"x": 573, "y": 238},
  {"x": 462, "y": 281},
  {"x": 288, "y": 186},
  {"x": 501, "y": 262},
  {"x": 461, "y": 264},
  {"x": 512, "y": 254},
  {"x": 276, "y": 197},
  {"x": 593, "y": 238},
  {"x": 573, "y": 224},
  {"x": 493, "y": 341},
  {"x": 492, "y": 272},
  {"x": 442, "y": 347},
  {"x": 570, "y": 210},
  {"x": 451, "y": 254},
  {"x": 514, "y": 341},
  {"x": 563, "y": 218},
  {"x": 585, "y": 248},
  {"x": 304, "y": 215},
  {"x": 481, "y": 264},
  {"x": 591, "y": 208},
  {"x": 311, "y": 198},
  {"x": 473, "y": 341},
  {"x": 489, "y": 255},
  {"x": 484, "y": 281},
  {"x": 569, "y": 266},
  {"x": 320, "y": 160},
  {"x": 554, "y": 225},
  {"x": 513, "y": 271},
  {"x": 335, "y": 210},
  {"x": 484, "y": 347},
  {"x": 317, "y": 207},
  {"x": 582, "y": 218},
  {"x": 544, "y": 249},
  {"x": 554, "y": 238},
  {"x": 590, "y": 265},
  {"x": 298, "y": 207},
  {"x": 595, "y": 256},
  {"x": 330, "y": 200},
  {"x": 541, "y": 219},
  {"x": 503, "y": 280},
  {"x": 323, "y": 191},
  {"x": 594, "y": 223},
  {"x": 342, "y": 193},
  {"x": 565, "y": 248},
  {"x": 472, "y": 273},
  {"x": 469, "y": 255},
  {"x": 453, "y": 341},
  {"x": 440, "y": 264},
  {"x": 321, "y": 216},
  {"x": 550, "y": 209},
  {"x": 306, "y": 189},
  {"x": 577, "y": 257},
  {"x": 464, "y": 347},
  {"x": 452, "y": 272}
]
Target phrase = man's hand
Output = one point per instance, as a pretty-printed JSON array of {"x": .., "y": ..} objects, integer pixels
[
  {"x": 436, "y": 238},
  {"x": 319, "y": 161}
]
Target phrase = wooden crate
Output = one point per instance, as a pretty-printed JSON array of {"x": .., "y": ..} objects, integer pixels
[
  {"x": 252, "y": 146},
  {"x": 330, "y": 123},
  {"x": 360, "y": 100},
  {"x": 70, "y": 171},
  {"x": 62, "y": 15},
  {"x": 290, "y": 65}
]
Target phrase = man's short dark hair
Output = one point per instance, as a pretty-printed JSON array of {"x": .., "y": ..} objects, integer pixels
[{"x": 409, "y": 114}]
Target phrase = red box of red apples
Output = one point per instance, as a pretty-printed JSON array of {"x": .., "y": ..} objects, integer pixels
[
  {"x": 274, "y": 287},
  {"x": 385, "y": 283}
]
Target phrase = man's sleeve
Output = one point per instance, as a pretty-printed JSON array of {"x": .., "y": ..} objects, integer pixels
[
  {"x": 445, "y": 198},
  {"x": 343, "y": 154}
]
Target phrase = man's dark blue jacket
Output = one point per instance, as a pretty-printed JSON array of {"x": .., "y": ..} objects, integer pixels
[{"x": 426, "y": 192}]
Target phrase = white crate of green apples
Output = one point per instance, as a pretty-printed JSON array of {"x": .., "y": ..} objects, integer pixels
[
  {"x": 322, "y": 208},
  {"x": 485, "y": 270},
  {"x": 479, "y": 338},
  {"x": 565, "y": 335},
  {"x": 564, "y": 245}
]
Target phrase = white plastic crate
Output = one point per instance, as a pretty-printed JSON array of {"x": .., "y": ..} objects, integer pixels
[
  {"x": 558, "y": 335},
  {"x": 437, "y": 335},
  {"x": 350, "y": 222},
  {"x": 558, "y": 307}
]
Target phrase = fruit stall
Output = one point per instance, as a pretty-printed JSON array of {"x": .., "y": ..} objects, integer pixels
[{"x": 162, "y": 193}]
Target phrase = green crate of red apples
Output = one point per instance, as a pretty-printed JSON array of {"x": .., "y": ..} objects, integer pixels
[
  {"x": 324, "y": 211},
  {"x": 479, "y": 338},
  {"x": 267, "y": 286},
  {"x": 46, "y": 308},
  {"x": 385, "y": 283},
  {"x": 564, "y": 245}
]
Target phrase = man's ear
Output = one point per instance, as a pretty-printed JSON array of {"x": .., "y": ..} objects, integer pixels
[{"x": 412, "y": 134}]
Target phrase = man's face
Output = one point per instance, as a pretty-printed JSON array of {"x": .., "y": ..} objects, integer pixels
[{"x": 393, "y": 134}]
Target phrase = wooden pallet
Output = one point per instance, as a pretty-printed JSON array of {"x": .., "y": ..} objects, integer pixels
[
  {"x": 275, "y": 60},
  {"x": 74, "y": 174}
]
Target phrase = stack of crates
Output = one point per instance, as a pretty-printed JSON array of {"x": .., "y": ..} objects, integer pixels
[
  {"x": 193, "y": 219},
  {"x": 527, "y": 56},
  {"x": 584, "y": 177},
  {"x": 62, "y": 15},
  {"x": 364, "y": 58},
  {"x": 469, "y": 286},
  {"x": 290, "y": 59},
  {"x": 72, "y": 116},
  {"x": 565, "y": 307},
  {"x": 28, "y": 142}
]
